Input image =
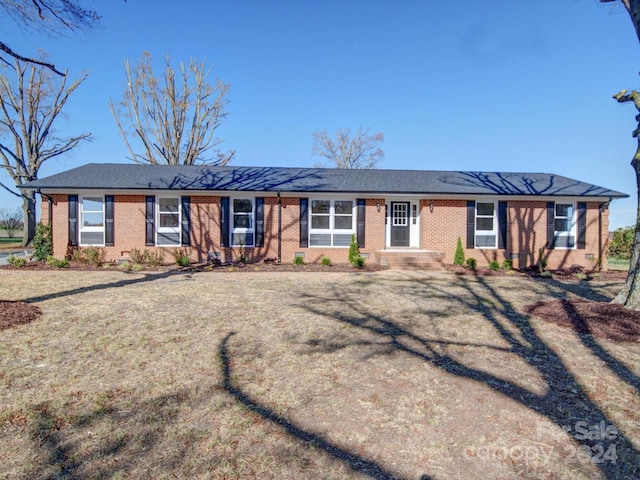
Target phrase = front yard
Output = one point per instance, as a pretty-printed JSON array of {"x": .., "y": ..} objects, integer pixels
[{"x": 310, "y": 375}]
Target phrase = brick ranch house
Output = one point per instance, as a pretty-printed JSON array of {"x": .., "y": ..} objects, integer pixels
[{"x": 280, "y": 213}]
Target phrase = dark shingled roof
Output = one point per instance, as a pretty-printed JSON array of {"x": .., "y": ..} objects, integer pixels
[{"x": 320, "y": 180}]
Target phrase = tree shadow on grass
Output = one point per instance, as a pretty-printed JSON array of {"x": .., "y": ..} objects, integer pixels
[
  {"x": 104, "y": 440},
  {"x": 564, "y": 402},
  {"x": 589, "y": 340},
  {"x": 148, "y": 277},
  {"x": 353, "y": 461}
]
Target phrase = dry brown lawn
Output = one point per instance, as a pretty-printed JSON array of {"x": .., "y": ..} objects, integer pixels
[{"x": 310, "y": 376}]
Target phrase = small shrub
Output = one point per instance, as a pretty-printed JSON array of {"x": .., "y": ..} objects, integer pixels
[
  {"x": 494, "y": 265},
  {"x": 54, "y": 262},
  {"x": 542, "y": 261},
  {"x": 16, "y": 261},
  {"x": 42, "y": 242},
  {"x": 146, "y": 257},
  {"x": 458, "y": 258},
  {"x": 358, "y": 262},
  {"x": 354, "y": 252},
  {"x": 326, "y": 261},
  {"x": 153, "y": 259},
  {"x": 507, "y": 264},
  {"x": 136, "y": 256},
  {"x": 298, "y": 260},
  {"x": 94, "y": 256},
  {"x": 182, "y": 256},
  {"x": 242, "y": 253},
  {"x": 471, "y": 263}
]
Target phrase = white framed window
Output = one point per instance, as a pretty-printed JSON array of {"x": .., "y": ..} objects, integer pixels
[
  {"x": 564, "y": 225},
  {"x": 486, "y": 225},
  {"x": 400, "y": 216},
  {"x": 331, "y": 222},
  {"x": 92, "y": 221},
  {"x": 242, "y": 222},
  {"x": 168, "y": 215}
]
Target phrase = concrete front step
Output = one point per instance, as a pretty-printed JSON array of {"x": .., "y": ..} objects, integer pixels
[{"x": 410, "y": 259}]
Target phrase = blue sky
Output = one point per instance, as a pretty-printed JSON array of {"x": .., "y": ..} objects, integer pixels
[{"x": 492, "y": 85}]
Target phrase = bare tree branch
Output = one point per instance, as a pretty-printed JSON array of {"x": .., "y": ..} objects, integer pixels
[
  {"x": 51, "y": 17},
  {"x": 30, "y": 102},
  {"x": 346, "y": 151},
  {"x": 153, "y": 114}
]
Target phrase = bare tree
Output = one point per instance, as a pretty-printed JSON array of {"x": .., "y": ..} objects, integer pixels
[
  {"x": 172, "y": 119},
  {"x": 630, "y": 294},
  {"x": 31, "y": 99},
  {"x": 48, "y": 16},
  {"x": 346, "y": 151},
  {"x": 11, "y": 221}
]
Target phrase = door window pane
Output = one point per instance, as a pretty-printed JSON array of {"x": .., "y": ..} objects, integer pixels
[{"x": 399, "y": 215}]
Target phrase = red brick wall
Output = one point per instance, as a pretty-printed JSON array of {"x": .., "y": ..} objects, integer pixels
[
  {"x": 526, "y": 234},
  {"x": 439, "y": 230}
]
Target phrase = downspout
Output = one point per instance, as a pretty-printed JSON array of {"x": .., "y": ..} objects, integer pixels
[
  {"x": 50, "y": 200},
  {"x": 600, "y": 251},
  {"x": 279, "y": 260}
]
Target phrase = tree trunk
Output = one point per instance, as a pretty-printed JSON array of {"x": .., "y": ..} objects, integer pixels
[
  {"x": 29, "y": 209},
  {"x": 630, "y": 294}
]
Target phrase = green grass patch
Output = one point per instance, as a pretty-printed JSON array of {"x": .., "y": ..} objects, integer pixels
[{"x": 618, "y": 264}]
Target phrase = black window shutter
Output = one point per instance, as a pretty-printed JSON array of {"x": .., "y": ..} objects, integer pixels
[
  {"x": 259, "y": 240},
  {"x": 186, "y": 221},
  {"x": 471, "y": 223},
  {"x": 502, "y": 225},
  {"x": 551, "y": 225},
  {"x": 150, "y": 228},
  {"x": 304, "y": 222},
  {"x": 582, "y": 225},
  {"x": 73, "y": 220},
  {"x": 361, "y": 221},
  {"x": 108, "y": 221},
  {"x": 224, "y": 222}
]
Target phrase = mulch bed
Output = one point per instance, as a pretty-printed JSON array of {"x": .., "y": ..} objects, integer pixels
[
  {"x": 17, "y": 313},
  {"x": 231, "y": 267},
  {"x": 600, "y": 319}
]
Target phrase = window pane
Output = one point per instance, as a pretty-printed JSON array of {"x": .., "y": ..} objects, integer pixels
[
  {"x": 484, "y": 224},
  {"x": 342, "y": 240},
  {"x": 343, "y": 222},
  {"x": 91, "y": 238},
  {"x": 168, "y": 238},
  {"x": 169, "y": 205},
  {"x": 485, "y": 208},
  {"x": 92, "y": 204},
  {"x": 400, "y": 215},
  {"x": 319, "y": 240},
  {"x": 485, "y": 241},
  {"x": 242, "y": 221},
  {"x": 92, "y": 220},
  {"x": 320, "y": 206},
  {"x": 244, "y": 239},
  {"x": 343, "y": 207},
  {"x": 562, "y": 225},
  {"x": 242, "y": 205},
  {"x": 169, "y": 220},
  {"x": 564, "y": 210},
  {"x": 320, "y": 221}
]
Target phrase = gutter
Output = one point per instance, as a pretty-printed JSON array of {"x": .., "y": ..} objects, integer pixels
[{"x": 50, "y": 200}]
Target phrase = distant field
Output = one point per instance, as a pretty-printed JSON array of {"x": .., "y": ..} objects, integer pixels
[
  {"x": 618, "y": 264},
  {"x": 9, "y": 242}
]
